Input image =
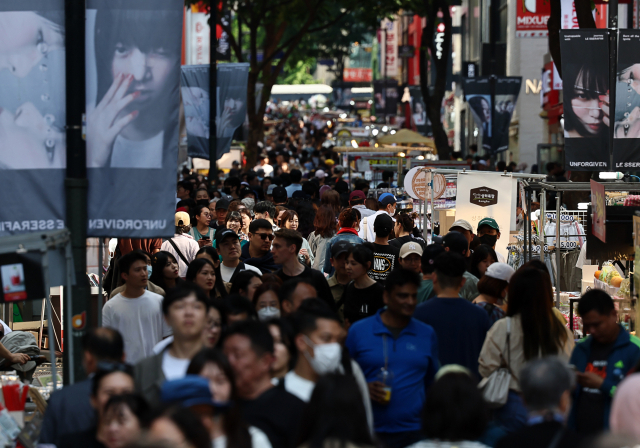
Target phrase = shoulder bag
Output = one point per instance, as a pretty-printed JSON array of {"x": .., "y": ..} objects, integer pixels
[
  {"x": 182, "y": 257},
  {"x": 495, "y": 388}
]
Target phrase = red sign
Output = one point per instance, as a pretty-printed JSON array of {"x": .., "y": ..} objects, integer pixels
[
  {"x": 531, "y": 18},
  {"x": 357, "y": 74},
  {"x": 599, "y": 211}
]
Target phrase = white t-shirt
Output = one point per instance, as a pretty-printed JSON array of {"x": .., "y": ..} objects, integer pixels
[
  {"x": 371, "y": 235},
  {"x": 227, "y": 272},
  {"x": 298, "y": 386},
  {"x": 6, "y": 328},
  {"x": 139, "y": 320},
  {"x": 187, "y": 246},
  {"x": 174, "y": 368},
  {"x": 143, "y": 154},
  {"x": 258, "y": 439}
]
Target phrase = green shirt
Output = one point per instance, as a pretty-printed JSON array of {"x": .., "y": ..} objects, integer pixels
[{"x": 425, "y": 291}]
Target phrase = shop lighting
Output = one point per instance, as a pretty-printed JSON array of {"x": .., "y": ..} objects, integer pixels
[
  {"x": 610, "y": 175},
  {"x": 393, "y": 131},
  {"x": 385, "y": 129},
  {"x": 370, "y": 101},
  {"x": 583, "y": 205},
  {"x": 366, "y": 127},
  {"x": 354, "y": 143},
  {"x": 401, "y": 154},
  {"x": 326, "y": 109},
  {"x": 329, "y": 123},
  {"x": 420, "y": 157},
  {"x": 353, "y": 103},
  {"x": 374, "y": 132}
]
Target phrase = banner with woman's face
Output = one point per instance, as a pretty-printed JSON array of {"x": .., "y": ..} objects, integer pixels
[
  {"x": 133, "y": 50},
  {"x": 626, "y": 128},
  {"x": 32, "y": 115},
  {"x": 585, "y": 78}
]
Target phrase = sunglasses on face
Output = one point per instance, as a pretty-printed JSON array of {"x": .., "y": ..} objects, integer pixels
[{"x": 264, "y": 236}]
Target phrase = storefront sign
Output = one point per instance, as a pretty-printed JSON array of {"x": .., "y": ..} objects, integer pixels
[
  {"x": 389, "y": 48},
  {"x": 32, "y": 116},
  {"x": 487, "y": 195},
  {"x": 532, "y": 17},
  {"x": 598, "y": 207},
  {"x": 417, "y": 184},
  {"x": 586, "y": 83},
  {"x": 357, "y": 74}
]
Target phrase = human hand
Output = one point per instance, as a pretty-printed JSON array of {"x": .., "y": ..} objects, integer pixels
[
  {"x": 202, "y": 242},
  {"x": 376, "y": 392},
  {"x": 604, "y": 105},
  {"x": 631, "y": 75},
  {"x": 589, "y": 379},
  {"x": 104, "y": 123},
  {"x": 19, "y": 358},
  {"x": 629, "y": 127}
]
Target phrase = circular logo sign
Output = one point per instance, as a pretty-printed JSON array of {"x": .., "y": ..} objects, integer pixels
[{"x": 416, "y": 184}]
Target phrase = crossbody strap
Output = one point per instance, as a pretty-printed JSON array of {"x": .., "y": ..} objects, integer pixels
[{"x": 182, "y": 257}]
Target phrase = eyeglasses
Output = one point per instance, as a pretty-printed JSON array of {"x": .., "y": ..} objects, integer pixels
[
  {"x": 265, "y": 236},
  {"x": 115, "y": 367}
]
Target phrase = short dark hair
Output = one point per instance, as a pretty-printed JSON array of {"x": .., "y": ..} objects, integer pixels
[
  {"x": 310, "y": 310},
  {"x": 296, "y": 176},
  {"x": 187, "y": 185},
  {"x": 311, "y": 189},
  {"x": 135, "y": 402},
  {"x": 492, "y": 287},
  {"x": 106, "y": 370},
  {"x": 595, "y": 299},
  {"x": 456, "y": 242},
  {"x": 449, "y": 268},
  {"x": 232, "y": 182},
  {"x": 126, "y": 261},
  {"x": 363, "y": 254},
  {"x": 235, "y": 304},
  {"x": 400, "y": 277},
  {"x": 266, "y": 207},
  {"x": 257, "y": 332},
  {"x": 189, "y": 424},
  {"x": 241, "y": 280},
  {"x": 258, "y": 224},
  {"x": 105, "y": 343},
  {"x": 182, "y": 291},
  {"x": 288, "y": 287},
  {"x": 454, "y": 409},
  {"x": 291, "y": 237},
  {"x": 428, "y": 257}
]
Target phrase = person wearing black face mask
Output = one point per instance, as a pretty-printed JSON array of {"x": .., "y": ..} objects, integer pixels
[{"x": 489, "y": 233}]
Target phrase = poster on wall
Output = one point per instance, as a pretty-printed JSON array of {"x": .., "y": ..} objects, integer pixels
[
  {"x": 385, "y": 96},
  {"x": 419, "y": 112},
  {"x": 487, "y": 195},
  {"x": 626, "y": 123},
  {"x": 231, "y": 106},
  {"x": 133, "y": 50},
  {"x": 32, "y": 116},
  {"x": 585, "y": 87},
  {"x": 493, "y": 115}
]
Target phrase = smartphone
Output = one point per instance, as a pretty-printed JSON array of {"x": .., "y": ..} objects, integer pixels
[{"x": 206, "y": 238}]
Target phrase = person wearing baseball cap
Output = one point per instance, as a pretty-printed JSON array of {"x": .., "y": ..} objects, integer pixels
[
  {"x": 411, "y": 257},
  {"x": 385, "y": 256},
  {"x": 340, "y": 279},
  {"x": 429, "y": 254},
  {"x": 489, "y": 233},
  {"x": 182, "y": 246},
  {"x": 228, "y": 244},
  {"x": 386, "y": 206},
  {"x": 493, "y": 290},
  {"x": 356, "y": 200},
  {"x": 463, "y": 227},
  {"x": 222, "y": 208},
  {"x": 321, "y": 175}
]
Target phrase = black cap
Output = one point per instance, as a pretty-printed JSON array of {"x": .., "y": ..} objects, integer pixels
[
  {"x": 221, "y": 234},
  {"x": 340, "y": 247},
  {"x": 383, "y": 223},
  {"x": 245, "y": 190},
  {"x": 279, "y": 194},
  {"x": 300, "y": 195},
  {"x": 222, "y": 204},
  {"x": 456, "y": 242},
  {"x": 429, "y": 255}
]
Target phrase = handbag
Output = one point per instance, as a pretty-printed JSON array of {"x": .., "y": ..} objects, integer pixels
[{"x": 495, "y": 388}]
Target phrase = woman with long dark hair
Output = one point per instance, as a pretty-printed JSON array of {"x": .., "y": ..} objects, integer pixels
[
  {"x": 229, "y": 428},
  {"x": 202, "y": 272},
  {"x": 331, "y": 198},
  {"x": 245, "y": 283},
  {"x": 325, "y": 229},
  {"x": 211, "y": 253},
  {"x": 283, "y": 351},
  {"x": 335, "y": 416},
  {"x": 534, "y": 331},
  {"x": 165, "y": 272},
  {"x": 363, "y": 296},
  {"x": 406, "y": 231},
  {"x": 289, "y": 219},
  {"x": 482, "y": 257},
  {"x": 178, "y": 427}
]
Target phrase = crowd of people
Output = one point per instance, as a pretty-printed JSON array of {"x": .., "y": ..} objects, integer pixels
[{"x": 299, "y": 312}]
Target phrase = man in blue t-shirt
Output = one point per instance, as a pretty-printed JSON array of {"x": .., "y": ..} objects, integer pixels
[
  {"x": 461, "y": 327},
  {"x": 399, "y": 358}
]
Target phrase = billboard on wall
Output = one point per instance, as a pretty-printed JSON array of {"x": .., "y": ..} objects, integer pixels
[
  {"x": 32, "y": 116},
  {"x": 532, "y": 17},
  {"x": 133, "y": 50},
  {"x": 389, "y": 48}
]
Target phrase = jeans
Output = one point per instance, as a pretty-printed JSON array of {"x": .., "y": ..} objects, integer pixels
[
  {"x": 513, "y": 415},
  {"x": 399, "y": 439}
]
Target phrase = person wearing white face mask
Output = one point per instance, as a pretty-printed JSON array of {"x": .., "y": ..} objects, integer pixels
[{"x": 317, "y": 341}]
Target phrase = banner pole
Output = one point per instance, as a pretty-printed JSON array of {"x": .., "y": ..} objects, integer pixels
[
  {"x": 613, "y": 68},
  {"x": 213, "y": 93},
  {"x": 492, "y": 84},
  {"x": 76, "y": 184}
]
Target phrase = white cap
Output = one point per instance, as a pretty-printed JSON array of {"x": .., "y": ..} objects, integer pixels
[
  {"x": 321, "y": 174},
  {"x": 410, "y": 248},
  {"x": 462, "y": 224},
  {"x": 501, "y": 271}
]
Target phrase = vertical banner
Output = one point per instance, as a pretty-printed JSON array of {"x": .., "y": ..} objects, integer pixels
[
  {"x": 133, "y": 52},
  {"x": 585, "y": 85},
  {"x": 507, "y": 90},
  {"x": 477, "y": 92},
  {"x": 599, "y": 209},
  {"x": 389, "y": 48},
  {"x": 385, "y": 96},
  {"x": 231, "y": 106},
  {"x": 419, "y": 112},
  {"x": 626, "y": 127},
  {"x": 487, "y": 195},
  {"x": 32, "y": 115}
]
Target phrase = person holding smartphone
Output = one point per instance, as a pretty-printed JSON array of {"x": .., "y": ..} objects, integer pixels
[{"x": 201, "y": 232}]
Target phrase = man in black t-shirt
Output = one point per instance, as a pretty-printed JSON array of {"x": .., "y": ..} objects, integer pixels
[
  {"x": 285, "y": 249},
  {"x": 249, "y": 348},
  {"x": 385, "y": 257}
]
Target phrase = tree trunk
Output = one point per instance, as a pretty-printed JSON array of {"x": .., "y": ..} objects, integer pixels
[{"x": 433, "y": 103}]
